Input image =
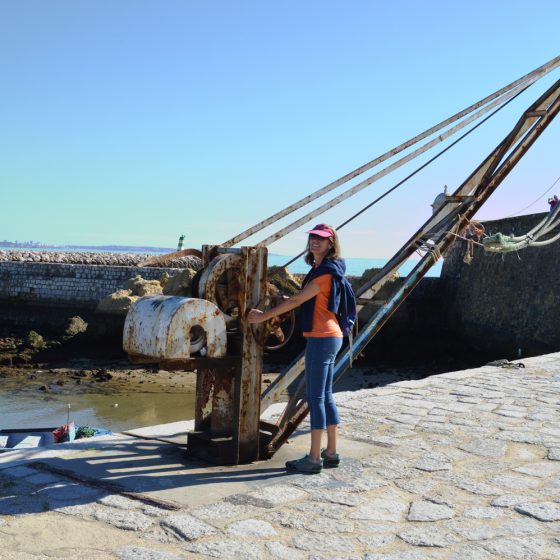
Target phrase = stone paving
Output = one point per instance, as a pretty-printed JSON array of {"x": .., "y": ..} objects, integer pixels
[{"x": 463, "y": 466}]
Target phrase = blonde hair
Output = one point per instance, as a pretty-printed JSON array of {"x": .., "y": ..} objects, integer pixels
[{"x": 334, "y": 249}]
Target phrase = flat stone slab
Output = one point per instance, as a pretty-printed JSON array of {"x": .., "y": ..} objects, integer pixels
[
  {"x": 544, "y": 511},
  {"x": 401, "y": 555},
  {"x": 428, "y": 536},
  {"x": 187, "y": 527},
  {"x": 471, "y": 530},
  {"x": 227, "y": 548},
  {"x": 434, "y": 462},
  {"x": 271, "y": 496},
  {"x": 280, "y": 551},
  {"x": 252, "y": 528},
  {"x": 554, "y": 454},
  {"x": 416, "y": 485},
  {"x": 323, "y": 543},
  {"x": 517, "y": 548},
  {"x": 380, "y": 510},
  {"x": 509, "y": 500},
  {"x": 521, "y": 437},
  {"x": 484, "y": 513},
  {"x": 128, "y": 520},
  {"x": 471, "y": 552},
  {"x": 485, "y": 447},
  {"x": 428, "y": 511},
  {"x": 42, "y": 479},
  {"x": 515, "y": 482},
  {"x": 140, "y": 553},
  {"x": 222, "y": 510},
  {"x": 541, "y": 470},
  {"x": 376, "y": 541}
]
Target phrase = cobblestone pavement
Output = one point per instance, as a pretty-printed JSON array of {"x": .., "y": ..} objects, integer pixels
[{"x": 462, "y": 466}]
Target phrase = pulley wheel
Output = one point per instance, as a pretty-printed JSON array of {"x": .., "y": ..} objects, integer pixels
[{"x": 276, "y": 332}]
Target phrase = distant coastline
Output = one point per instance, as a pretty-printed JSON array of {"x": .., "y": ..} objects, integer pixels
[{"x": 105, "y": 248}]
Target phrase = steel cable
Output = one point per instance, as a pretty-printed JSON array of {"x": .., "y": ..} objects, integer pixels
[{"x": 418, "y": 169}]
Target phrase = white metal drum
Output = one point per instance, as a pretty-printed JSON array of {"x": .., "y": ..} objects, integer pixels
[{"x": 172, "y": 327}]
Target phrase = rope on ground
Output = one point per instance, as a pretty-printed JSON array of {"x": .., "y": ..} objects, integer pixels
[{"x": 506, "y": 364}]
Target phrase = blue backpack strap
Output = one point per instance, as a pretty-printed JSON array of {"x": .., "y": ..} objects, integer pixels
[{"x": 347, "y": 307}]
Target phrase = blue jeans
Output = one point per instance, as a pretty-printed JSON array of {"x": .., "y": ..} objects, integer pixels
[{"x": 320, "y": 354}]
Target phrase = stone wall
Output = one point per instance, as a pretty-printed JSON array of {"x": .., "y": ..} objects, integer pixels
[
  {"x": 67, "y": 285},
  {"x": 506, "y": 301}
]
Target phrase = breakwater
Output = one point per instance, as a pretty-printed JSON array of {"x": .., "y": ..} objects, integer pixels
[
  {"x": 41, "y": 290},
  {"x": 97, "y": 259},
  {"x": 67, "y": 285},
  {"x": 77, "y": 280}
]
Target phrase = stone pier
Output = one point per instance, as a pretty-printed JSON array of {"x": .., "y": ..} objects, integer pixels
[{"x": 459, "y": 466}]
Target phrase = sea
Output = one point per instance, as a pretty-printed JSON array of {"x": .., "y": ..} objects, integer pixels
[{"x": 354, "y": 266}]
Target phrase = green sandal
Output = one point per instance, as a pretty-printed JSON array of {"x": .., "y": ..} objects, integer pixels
[
  {"x": 330, "y": 461},
  {"x": 305, "y": 464}
]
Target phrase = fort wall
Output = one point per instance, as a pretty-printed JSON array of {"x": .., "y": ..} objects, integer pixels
[{"x": 510, "y": 300}]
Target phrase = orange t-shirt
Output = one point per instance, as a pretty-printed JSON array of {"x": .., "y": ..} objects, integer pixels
[{"x": 324, "y": 321}]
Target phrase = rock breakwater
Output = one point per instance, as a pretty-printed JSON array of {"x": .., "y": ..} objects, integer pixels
[{"x": 108, "y": 259}]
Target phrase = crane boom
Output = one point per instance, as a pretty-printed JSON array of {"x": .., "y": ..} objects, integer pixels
[{"x": 173, "y": 331}]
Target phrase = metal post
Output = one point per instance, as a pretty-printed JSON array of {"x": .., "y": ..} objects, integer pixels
[{"x": 248, "y": 390}]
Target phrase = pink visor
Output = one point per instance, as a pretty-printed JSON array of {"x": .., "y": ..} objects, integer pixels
[{"x": 321, "y": 230}]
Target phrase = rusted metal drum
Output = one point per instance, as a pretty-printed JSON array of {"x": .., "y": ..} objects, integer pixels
[{"x": 172, "y": 327}]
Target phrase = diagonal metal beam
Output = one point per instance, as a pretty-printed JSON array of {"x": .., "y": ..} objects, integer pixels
[
  {"x": 520, "y": 83},
  {"x": 387, "y": 170}
]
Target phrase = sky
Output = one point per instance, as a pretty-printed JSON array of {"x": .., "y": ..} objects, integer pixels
[{"x": 133, "y": 122}]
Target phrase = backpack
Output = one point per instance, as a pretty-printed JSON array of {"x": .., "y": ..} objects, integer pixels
[{"x": 346, "y": 314}]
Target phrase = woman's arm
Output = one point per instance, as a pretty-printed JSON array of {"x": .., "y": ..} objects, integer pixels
[{"x": 310, "y": 291}]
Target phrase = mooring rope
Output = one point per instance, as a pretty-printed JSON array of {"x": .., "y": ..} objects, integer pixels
[{"x": 500, "y": 243}]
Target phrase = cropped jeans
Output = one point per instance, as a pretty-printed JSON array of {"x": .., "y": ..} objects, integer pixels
[{"x": 320, "y": 354}]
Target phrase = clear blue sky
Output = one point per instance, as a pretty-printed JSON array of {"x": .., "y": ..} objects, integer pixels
[{"x": 132, "y": 122}]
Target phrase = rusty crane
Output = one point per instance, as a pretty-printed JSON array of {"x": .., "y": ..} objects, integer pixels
[{"x": 176, "y": 331}]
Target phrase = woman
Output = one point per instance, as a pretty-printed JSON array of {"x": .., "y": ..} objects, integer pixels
[{"x": 319, "y": 299}]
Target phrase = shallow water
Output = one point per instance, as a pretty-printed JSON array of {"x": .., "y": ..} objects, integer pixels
[{"x": 101, "y": 407}]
